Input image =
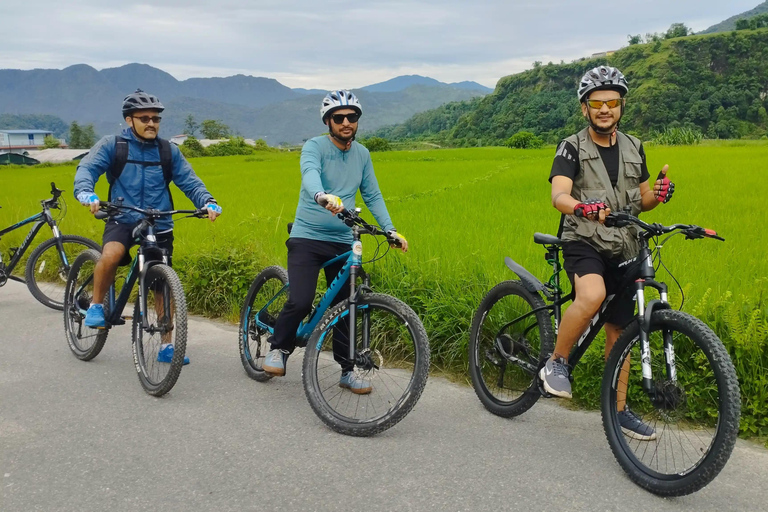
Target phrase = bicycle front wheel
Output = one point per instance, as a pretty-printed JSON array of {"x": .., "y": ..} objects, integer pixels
[
  {"x": 160, "y": 337},
  {"x": 506, "y": 343},
  {"x": 84, "y": 342},
  {"x": 264, "y": 301},
  {"x": 47, "y": 269},
  {"x": 389, "y": 372},
  {"x": 693, "y": 412}
]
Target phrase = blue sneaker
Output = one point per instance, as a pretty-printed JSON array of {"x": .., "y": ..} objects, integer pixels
[
  {"x": 165, "y": 354},
  {"x": 355, "y": 383},
  {"x": 274, "y": 363},
  {"x": 94, "y": 317}
]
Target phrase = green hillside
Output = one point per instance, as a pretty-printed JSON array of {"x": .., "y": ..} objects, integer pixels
[
  {"x": 717, "y": 84},
  {"x": 730, "y": 23}
]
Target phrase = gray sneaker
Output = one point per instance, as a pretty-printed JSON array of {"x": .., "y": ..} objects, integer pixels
[
  {"x": 274, "y": 363},
  {"x": 554, "y": 376},
  {"x": 633, "y": 427}
]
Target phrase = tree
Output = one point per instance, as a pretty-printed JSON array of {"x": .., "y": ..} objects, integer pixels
[
  {"x": 677, "y": 30},
  {"x": 638, "y": 39},
  {"x": 376, "y": 144},
  {"x": 212, "y": 129},
  {"x": 190, "y": 126},
  {"x": 51, "y": 142},
  {"x": 524, "y": 140},
  {"x": 81, "y": 137}
]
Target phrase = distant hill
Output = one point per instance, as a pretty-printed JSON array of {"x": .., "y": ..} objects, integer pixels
[
  {"x": 713, "y": 83},
  {"x": 34, "y": 122},
  {"x": 254, "y": 107},
  {"x": 403, "y": 82},
  {"x": 730, "y": 23}
]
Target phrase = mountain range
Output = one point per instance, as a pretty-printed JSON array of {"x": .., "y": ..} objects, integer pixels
[{"x": 254, "y": 107}]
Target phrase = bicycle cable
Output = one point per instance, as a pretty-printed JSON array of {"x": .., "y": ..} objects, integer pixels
[{"x": 659, "y": 246}]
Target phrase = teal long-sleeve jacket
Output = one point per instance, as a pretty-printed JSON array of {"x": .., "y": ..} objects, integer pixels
[{"x": 326, "y": 168}]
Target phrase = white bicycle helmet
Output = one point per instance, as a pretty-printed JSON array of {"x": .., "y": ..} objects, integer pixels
[
  {"x": 335, "y": 100},
  {"x": 600, "y": 78}
]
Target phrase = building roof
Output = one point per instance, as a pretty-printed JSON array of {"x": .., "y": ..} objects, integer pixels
[
  {"x": 26, "y": 131},
  {"x": 55, "y": 155}
]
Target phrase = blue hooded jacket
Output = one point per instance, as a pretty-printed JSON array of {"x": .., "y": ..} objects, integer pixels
[{"x": 142, "y": 186}]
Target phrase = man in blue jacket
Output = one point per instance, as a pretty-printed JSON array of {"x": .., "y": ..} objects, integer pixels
[
  {"x": 142, "y": 182},
  {"x": 333, "y": 169}
]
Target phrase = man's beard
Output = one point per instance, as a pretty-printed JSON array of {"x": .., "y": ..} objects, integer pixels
[
  {"x": 338, "y": 136},
  {"x": 599, "y": 129}
]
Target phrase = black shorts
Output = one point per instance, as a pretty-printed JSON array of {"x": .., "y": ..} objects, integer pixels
[
  {"x": 122, "y": 233},
  {"x": 581, "y": 259}
]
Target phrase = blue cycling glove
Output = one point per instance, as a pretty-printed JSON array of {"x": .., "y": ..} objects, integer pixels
[{"x": 87, "y": 198}]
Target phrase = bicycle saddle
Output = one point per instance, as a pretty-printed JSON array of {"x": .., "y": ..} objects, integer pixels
[{"x": 541, "y": 238}]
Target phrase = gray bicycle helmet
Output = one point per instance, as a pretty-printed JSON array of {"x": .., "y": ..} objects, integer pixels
[
  {"x": 335, "y": 100},
  {"x": 140, "y": 100},
  {"x": 601, "y": 78}
]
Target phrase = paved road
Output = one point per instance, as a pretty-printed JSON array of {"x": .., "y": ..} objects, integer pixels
[{"x": 84, "y": 436}]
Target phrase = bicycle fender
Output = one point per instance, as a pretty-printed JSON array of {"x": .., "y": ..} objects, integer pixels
[
  {"x": 531, "y": 282},
  {"x": 653, "y": 305}
]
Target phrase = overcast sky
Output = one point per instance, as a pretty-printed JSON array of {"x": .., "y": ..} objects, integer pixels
[{"x": 333, "y": 44}]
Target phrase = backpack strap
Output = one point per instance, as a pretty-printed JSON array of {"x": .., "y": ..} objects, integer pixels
[
  {"x": 578, "y": 163},
  {"x": 121, "y": 158}
]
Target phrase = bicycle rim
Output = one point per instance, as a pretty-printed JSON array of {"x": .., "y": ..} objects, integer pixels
[
  {"x": 395, "y": 366},
  {"x": 159, "y": 348},
  {"x": 46, "y": 273},
  {"x": 257, "y": 320},
  {"x": 695, "y": 419},
  {"x": 84, "y": 342}
]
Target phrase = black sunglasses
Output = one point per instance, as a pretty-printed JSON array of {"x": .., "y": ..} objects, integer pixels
[
  {"x": 146, "y": 119},
  {"x": 339, "y": 118}
]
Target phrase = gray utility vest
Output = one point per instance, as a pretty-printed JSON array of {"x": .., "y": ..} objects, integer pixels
[{"x": 593, "y": 182}]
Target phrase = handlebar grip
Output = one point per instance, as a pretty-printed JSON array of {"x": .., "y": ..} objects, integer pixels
[{"x": 101, "y": 215}]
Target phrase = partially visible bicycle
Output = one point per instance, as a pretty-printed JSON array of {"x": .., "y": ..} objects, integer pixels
[
  {"x": 159, "y": 316},
  {"x": 667, "y": 365},
  {"x": 48, "y": 265},
  {"x": 379, "y": 334}
]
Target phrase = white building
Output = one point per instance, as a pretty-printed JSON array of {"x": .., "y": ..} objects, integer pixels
[{"x": 19, "y": 141}]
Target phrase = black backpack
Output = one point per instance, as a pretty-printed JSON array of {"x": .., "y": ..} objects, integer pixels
[{"x": 121, "y": 158}]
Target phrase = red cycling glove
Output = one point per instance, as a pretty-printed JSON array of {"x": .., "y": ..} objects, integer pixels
[{"x": 589, "y": 207}]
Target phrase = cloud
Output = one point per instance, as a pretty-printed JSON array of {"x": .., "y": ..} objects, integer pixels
[{"x": 332, "y": 44}]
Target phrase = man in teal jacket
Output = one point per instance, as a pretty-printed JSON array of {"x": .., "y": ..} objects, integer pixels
[
  {"x": 333, "y": 168},
  {"x": 141, "y": 183}
]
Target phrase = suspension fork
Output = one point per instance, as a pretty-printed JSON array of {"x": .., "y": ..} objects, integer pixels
[{"x": 644, "y": 314}]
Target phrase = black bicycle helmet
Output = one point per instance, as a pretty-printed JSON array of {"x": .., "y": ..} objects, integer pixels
[{"x": 140, "y": 100}]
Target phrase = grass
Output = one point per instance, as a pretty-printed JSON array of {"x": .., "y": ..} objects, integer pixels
[{"x": 463, "y": 211}]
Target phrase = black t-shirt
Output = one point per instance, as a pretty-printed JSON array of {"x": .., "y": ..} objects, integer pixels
[{"x": 566, "y": 162}]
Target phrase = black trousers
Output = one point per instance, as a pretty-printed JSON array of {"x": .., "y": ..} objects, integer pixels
[{"x": 305, "y": 258}]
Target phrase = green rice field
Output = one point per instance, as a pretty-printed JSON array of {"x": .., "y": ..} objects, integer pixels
[{"x": 463, "y": 211}]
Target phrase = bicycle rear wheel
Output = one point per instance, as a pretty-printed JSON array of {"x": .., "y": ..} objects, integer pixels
[
  {"x": 264, "y": 302},
  {"x": 395, "y": 365},
  {"x": 160, "y": 339},
  {"x": 695, "y": 416},
  {"x": 84, "y": 342},
  {"x": 46, "y": 272},
  {"x": 506, "y": 343}
]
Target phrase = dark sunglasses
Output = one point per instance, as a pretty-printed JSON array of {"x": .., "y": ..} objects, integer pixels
[
  {"x": 339, "y": 118},
  {"x": 598, "y": 104},
  {"x": 147, "y": 119}
]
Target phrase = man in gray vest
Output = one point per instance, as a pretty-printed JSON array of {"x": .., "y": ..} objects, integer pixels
[{"x": 595, "y": 171}]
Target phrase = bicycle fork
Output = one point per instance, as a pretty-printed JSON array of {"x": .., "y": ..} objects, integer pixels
[{"x": 644, "y": 313}]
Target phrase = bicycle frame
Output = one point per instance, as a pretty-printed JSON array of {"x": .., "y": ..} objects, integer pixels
[
  {"x": 641, "y": 274},
  {"x": 40, "y": 220}
]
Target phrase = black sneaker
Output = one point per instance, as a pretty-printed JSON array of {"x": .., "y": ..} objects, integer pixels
[
  {"x": 555, "y": 377},
  {"x": 633, "y": 427}
]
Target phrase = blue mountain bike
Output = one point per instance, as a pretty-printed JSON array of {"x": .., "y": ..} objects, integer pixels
[{"x": 380, "y": 334}]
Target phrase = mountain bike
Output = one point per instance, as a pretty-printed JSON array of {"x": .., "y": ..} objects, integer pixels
[
  {"x": 48, "y": 265},
  {"x": 675, "y": 372},
  {"x": 159, "y": 334},
  {"x": 379, "y": 333}
]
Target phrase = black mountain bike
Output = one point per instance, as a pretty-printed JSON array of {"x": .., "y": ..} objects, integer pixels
[
  {"x": 389, "y": 344},
  {"x": 667, "y": 365},
  {"x": 160, "y": 311},
  {"x": 48, "y": 265}
]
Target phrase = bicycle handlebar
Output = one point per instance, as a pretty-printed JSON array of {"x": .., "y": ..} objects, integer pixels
[
  {"x": 109, "y": 209},
  {"x": 55, "y": 193},
  {"x": 352, "y": 218},
  {"x": 691, "y": 231}
]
